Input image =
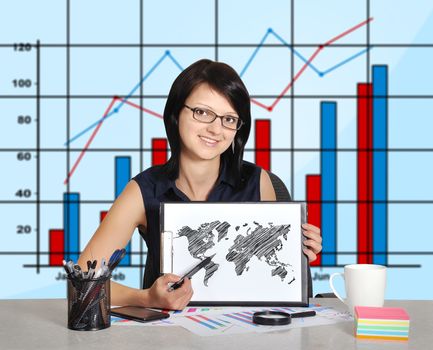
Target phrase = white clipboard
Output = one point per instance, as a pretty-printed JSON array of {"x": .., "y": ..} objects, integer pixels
[{"x": 257, "y": 246}]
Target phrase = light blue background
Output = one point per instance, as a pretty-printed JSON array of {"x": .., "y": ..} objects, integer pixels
[{"x": 99, "y": 73}]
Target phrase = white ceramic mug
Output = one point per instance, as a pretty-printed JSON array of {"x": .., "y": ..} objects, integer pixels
[{"x": 365, "y": 285}]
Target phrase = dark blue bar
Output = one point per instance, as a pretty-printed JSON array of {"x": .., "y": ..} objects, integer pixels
[
  {"x": 123, "y": 175},
  {"x": 328, "y": 153},
  {"x": 380, "y": 168},
  {"x": 71, "y": 224}
]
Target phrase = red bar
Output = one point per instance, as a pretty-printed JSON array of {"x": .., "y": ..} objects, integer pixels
[
  {"x": 102, "y": 215},
  {"x": 314, "y": 196},
  {"x": 56, "y": 238},
  {"x": 365, "y": 173},
  {"x": 159, "y": 151},
  {"x": 263, "y": 143},
  {"x": 370, "y": 171}
]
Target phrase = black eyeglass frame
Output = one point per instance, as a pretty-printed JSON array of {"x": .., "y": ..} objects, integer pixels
[{"x": 193, "y": 110}]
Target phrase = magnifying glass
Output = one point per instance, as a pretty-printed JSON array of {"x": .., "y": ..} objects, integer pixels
[{"x": 278, "y": 318}]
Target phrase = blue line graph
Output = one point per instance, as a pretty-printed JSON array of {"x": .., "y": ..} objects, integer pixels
[
  {"x": 320, "y": 73},
  {"x": 120, "y": 105}
]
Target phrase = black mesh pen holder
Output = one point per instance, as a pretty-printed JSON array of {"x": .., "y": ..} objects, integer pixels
[{"x": 89, "y": 303}]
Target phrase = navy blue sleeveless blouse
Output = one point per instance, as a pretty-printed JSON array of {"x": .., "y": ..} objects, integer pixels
[{"x": 156, "y": 187}]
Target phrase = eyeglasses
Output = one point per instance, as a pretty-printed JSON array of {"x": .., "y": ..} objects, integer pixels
[{"x": 207, "y": 116}]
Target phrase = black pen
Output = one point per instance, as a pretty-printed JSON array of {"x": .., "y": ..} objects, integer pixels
[{"x": 191, "y": 273}]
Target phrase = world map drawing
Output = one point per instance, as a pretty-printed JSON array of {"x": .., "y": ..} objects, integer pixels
[{"x": 252, "y": 240}]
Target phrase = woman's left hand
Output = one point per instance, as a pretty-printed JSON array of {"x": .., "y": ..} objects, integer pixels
[{"x": 313, "y": 243}]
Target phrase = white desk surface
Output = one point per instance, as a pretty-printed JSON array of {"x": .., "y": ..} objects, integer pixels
[{"x": 41, "y": 324}]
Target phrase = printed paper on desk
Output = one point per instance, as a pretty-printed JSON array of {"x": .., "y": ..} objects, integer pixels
[{"x": 258, "y": 247}]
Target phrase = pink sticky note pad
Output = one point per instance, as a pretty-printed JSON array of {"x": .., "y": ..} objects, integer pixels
[{"x": 383, "y": 313}]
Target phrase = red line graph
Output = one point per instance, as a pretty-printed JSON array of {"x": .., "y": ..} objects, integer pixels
[
  {"x": 141, "y": 108},
  {"x": 90, "y": 140},
  {"x": 269, "y": 108},
  {"x": 312, "y": 57}
]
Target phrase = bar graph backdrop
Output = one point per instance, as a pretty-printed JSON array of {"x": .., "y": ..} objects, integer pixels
[{"x": 342, "y": 106}]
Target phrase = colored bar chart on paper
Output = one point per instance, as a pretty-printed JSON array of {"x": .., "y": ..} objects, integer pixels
[
  {"x": 214, "y": 324},
  {"x": 211, "y": 323},
  {"x": 237, "y": 320}
]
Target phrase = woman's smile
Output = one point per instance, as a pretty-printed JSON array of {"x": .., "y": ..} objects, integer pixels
[{"x": 209, "y": 141}]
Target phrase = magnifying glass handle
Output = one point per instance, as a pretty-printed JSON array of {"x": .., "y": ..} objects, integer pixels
[{"x": 303, "y": 314}]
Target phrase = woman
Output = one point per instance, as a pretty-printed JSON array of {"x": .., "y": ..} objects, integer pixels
[{"x": 207, "y": 119}]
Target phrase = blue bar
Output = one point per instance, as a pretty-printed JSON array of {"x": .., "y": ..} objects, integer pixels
[
  {"x": 123, "y": 175},
  {"x": 71, "y": 224},
  {"x": 328, "y": 154},
  {"x": 380, "y": 168}
]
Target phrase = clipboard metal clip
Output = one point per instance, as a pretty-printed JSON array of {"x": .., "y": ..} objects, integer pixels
[{"x": 166, "y": 252}]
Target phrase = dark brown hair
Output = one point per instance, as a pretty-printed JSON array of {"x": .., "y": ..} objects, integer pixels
[{"x": 223, "y": 79}]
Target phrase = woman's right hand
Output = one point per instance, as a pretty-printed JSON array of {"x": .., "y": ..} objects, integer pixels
[{"x": 160, "y": 297}]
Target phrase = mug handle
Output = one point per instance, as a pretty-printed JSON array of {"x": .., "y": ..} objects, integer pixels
[{"x": 332, "y": 284}]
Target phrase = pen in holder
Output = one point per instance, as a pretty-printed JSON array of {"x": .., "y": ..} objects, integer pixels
[
  {"x": 89, "y": 303},
  {"x": 89, "y": 297}
]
